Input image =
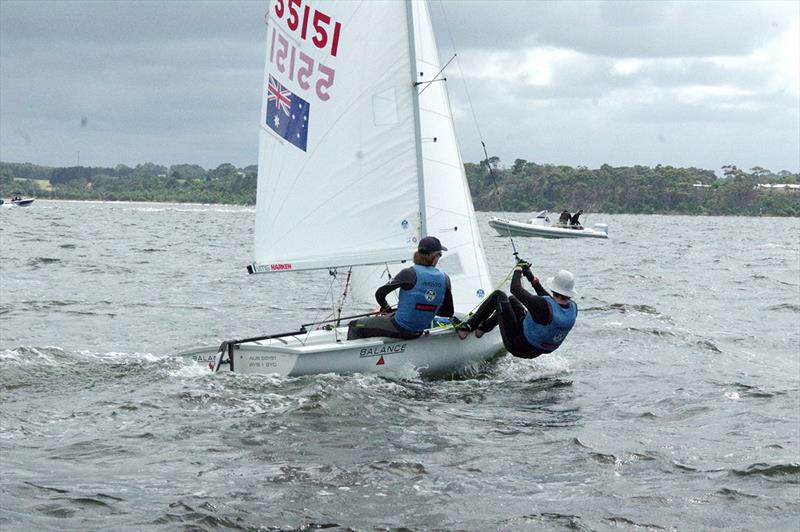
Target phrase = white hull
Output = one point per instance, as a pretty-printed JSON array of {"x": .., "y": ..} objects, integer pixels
[
  {"x": 437, "y": 353},
  {"x": 509, "y": 227}
]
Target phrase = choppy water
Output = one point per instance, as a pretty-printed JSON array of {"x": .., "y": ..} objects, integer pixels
[{"x": 673, "y": 405}]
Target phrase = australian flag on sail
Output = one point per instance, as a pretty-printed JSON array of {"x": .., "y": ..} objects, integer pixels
[{"x": 287, "y": 114}]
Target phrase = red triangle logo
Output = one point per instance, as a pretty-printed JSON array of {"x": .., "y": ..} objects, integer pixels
[{"x": 380, "y": 362}]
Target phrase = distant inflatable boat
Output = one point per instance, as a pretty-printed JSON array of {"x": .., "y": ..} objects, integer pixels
[{"x": 540, "y": 226}]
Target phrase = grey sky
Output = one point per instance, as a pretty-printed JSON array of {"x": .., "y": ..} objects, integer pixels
[{"x": 576, "y": 83}]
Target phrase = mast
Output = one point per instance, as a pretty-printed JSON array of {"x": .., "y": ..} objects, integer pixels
[{"x": 417, "y": 130}]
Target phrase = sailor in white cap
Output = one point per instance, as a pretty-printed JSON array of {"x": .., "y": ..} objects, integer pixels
[{"x": 531, "y": 325}]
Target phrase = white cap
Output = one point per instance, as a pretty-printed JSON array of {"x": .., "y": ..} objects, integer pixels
[{"x": 563, "y": 283}]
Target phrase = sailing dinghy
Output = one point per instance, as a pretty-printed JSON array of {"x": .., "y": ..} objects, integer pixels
[{"x": 357, "y": 161}]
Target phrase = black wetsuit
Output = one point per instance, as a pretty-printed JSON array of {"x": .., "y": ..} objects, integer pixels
[
  {"x": 509, "y": 312},
  {"x": 574, "y": 219},
  {"x": 385, "y": 325}
]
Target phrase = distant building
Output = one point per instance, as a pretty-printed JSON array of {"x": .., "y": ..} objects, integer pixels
[
  {"x": 779, "y": 187},
  {"x": 701, "y": 185}
]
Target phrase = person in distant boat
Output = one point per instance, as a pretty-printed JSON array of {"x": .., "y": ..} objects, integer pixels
[
  {"x": 564, "y": 218},
  {"x": 531, "y": 325},
  {"x": 574, "y": 221},
  {"x": 424, "y": 293}
]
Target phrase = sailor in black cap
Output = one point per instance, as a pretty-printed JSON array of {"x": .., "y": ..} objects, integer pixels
[{"x": 424, "y": 293}]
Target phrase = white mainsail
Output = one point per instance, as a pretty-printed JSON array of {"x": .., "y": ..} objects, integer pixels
[
  {"x": 338, "y": 181},
  {"x": 351, "y": 196}
]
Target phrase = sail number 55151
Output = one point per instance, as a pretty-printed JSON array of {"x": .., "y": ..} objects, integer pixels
[
  {"x": 299, "y": 65},
  {"x": 298, "y": 18}
]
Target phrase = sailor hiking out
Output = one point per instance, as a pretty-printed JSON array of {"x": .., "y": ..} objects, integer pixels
[
  {"x": 531, "y": 325},
  {"x": 425, "y": 293}
]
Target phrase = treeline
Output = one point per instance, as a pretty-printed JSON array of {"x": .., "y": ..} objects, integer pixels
[
  {"x": 145, "y": 182},
  {"x": 527, "y": 186},
  {"x": 523, "y": 187}
]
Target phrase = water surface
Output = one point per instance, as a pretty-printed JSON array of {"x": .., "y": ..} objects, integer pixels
[{"x": 673, "y": 405}]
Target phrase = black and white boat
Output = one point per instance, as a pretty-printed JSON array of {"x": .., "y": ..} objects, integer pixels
[
  {"x": 19, "y": 201},
  {"x": 541, "y": 226}
]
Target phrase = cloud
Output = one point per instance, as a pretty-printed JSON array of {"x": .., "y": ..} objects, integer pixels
[
  {"x": 615, "y": 29},
  {"x": 570, "y": 82}
]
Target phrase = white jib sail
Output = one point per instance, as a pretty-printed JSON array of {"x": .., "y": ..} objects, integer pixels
[
  {"x": 338, "y": 183},
  {"x": 449, "y": 212}
]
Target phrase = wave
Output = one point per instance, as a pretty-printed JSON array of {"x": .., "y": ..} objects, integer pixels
[
  {"x": 695, "y": 469},
  {"x": 652, "y": 331},
  {"x": 624, "y": 521},
  {"x": 708, "y": 345},
  {"x": 56, "y": 305},
  {"x": 741, "y": 389},
  {"x": 40, "y": 262},
  {"x": 733, "y": 494},
  {"x": 57, "y": 356},
  {"x": 754, "y": 391},
  {"x": 625, "y": 457},
  {"x": 789, "y": 472},
  {"x": 183, "y": 516},
  {"x": 549, "y": 519},
  {"x": 624, "y": 308},
  {"x": 785, "y": 306},
  {"x": 402, "y": 468}
]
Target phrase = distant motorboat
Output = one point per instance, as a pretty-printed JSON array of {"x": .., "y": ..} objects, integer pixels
[
  {"x": 540, "y": 226},
  {"x": 19, "y": 201}
]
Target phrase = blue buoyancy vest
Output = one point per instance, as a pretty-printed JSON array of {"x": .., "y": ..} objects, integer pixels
[
  {"x": 547, "y": 338},
  {"x": 417, "y": 306}
]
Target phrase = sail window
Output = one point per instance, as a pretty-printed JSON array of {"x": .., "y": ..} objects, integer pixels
[{"x": 384, "y": 108}]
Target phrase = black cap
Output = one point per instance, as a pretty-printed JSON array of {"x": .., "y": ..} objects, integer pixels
[{"x": 430, "y": 244}]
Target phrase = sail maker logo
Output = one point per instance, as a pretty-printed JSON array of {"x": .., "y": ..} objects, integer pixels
[{"x": 266, "y": 268}]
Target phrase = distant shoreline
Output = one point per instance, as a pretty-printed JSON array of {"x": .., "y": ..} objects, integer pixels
[
  {"x": 513, "y": 213},
  {"x": 524, "y": 187}
]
